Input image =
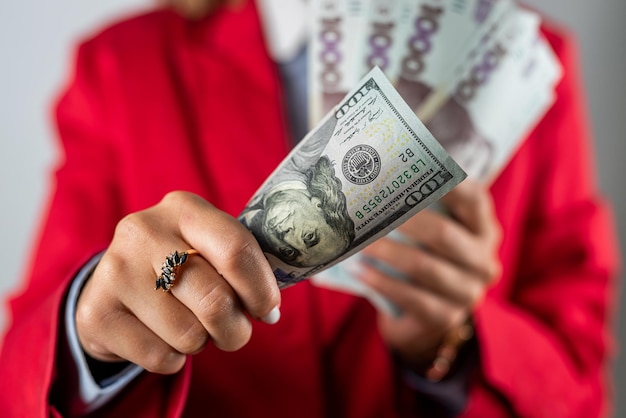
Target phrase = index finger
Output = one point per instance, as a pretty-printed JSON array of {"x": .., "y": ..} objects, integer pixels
[{"x": 232, "y": 250}]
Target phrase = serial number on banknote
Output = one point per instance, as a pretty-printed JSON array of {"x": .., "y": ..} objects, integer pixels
[{"x": 401, "y": 182}]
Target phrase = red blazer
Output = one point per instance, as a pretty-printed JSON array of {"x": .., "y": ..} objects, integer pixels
[{"x": 158, "y": 104}]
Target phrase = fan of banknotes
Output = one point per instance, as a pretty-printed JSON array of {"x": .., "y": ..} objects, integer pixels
[
  {"x": 478, "y": 73},
  {"x": 406, "y": 98}
]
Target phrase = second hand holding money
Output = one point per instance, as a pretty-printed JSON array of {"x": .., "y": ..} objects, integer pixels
[{"x": 449, "y": 268}]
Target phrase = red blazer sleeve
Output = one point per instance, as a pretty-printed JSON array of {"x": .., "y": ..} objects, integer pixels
[
  {"x": 544, "y": 331},
  {"x": 81, "y": 216}
]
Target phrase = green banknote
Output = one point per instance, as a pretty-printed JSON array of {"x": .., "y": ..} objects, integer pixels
[{"x": 367, "y": 167}]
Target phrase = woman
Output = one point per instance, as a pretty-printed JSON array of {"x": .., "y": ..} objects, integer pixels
[{"x": 160, "y": 104}]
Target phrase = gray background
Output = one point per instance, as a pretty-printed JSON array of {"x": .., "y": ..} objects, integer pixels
[{"x": 36, "y": 39}]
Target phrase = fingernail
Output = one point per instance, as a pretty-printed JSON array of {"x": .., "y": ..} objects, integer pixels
[{"x": 272, "y": 317}]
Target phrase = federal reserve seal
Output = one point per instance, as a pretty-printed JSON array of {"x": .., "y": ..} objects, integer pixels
[{"x": 361, "y": 164}]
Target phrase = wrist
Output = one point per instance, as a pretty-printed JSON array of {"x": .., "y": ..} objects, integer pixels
[
  {"x": 436, "y": 359},
  {"x": 448, "y": 351}
]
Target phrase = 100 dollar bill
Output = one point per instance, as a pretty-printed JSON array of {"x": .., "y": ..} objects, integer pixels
[{"x": 366, "y": 168}]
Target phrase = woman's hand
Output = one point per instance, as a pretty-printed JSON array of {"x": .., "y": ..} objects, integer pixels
[
  {"x": 197, "y": 9},
  {"x": 120, "y": 316},
  {"x": 450, "y": 260}
]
